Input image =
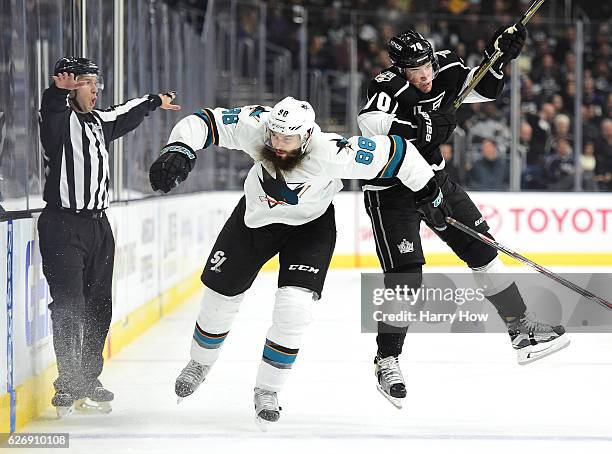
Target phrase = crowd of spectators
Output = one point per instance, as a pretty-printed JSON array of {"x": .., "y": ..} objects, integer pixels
[
  {"x": 547, "y": 82},
  {"x": 547, "y": 66}
]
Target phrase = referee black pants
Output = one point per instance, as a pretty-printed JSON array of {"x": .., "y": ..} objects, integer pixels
[{"x": 77, "y": 257}]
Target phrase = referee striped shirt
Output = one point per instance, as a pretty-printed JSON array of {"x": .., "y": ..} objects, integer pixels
[{"x": 76, "y": 147}]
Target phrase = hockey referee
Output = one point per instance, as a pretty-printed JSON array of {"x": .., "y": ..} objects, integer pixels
[{"x": 76, "y": 241}]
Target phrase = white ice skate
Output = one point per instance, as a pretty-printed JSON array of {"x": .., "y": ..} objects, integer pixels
[
  {"x": 63, "y": 403},
  {"x": 534, "y": 340},
  {"x": 266, "y": 408},
  {"x": 190, "y": 378},
  {"x": 390, "y": 381},
  {"x": 98, "y": 400},
  {"x": 90, "y": 406}
]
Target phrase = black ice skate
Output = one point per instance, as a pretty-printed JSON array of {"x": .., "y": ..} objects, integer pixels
[
  {"x": 190, "y": 378},
  {"x": 390, "y": 381},
  {"x": 266, "y": 408},
  {"x": 97, "y": 400},
  {"x": 63, "y": 403},
  {"x": 534, "y": 340}
]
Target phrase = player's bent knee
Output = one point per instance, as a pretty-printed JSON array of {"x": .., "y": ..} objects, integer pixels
[
  {"x": 292, "y": 309},
  {"x": 492, "y": 277},
  {"x": 410, "y": 276},
  {"x": 219, "y": 308},
  {"x": 479, "y": 254}
]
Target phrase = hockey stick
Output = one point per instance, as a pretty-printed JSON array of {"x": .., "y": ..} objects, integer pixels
[
  {"x": 494, "y": 244},
  {"x": 486, "y": 66}
]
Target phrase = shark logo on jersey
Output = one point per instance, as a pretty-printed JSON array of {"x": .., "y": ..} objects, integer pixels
[
  {"x": 341, "y": 144},
  {"x": 278, "y": 191},
  {"x": 257, "y": 111}
]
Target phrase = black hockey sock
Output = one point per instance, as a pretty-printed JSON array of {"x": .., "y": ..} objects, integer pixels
[
  {"x": 390, "y": 340},
  {"x": 509, "y": 302}
]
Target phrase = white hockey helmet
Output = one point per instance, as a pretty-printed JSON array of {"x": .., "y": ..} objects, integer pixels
[{"x": 292, "y": 117}]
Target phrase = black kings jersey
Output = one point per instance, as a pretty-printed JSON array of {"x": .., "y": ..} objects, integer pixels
[{"x": 393, "y": 101}]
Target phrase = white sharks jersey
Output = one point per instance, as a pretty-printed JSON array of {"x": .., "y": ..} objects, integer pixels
[{"x": 304, "y": 193}]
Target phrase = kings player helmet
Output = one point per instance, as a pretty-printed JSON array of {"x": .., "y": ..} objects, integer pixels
[{"x": 410, "y": 50}]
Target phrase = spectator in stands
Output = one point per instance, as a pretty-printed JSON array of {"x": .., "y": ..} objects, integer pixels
[
  {"x": 532, "y": 176},
  {"x": 386, "y": 33},
  {"x": 546, "y": 75},
  {"x": 560, "y": 167},
  {"x": 542, "y": 131},
  {"x": 603, "y": 156},
  {"x": 561, "y": 131},
  {"x": 525, "y": 136},
  {"x": 568, "y": 68},
  {"x": 590, "y": 126},
  {"x": 557, "y": 101},
  {"x": 602, "y": 76},
  {"x": 569, "y": 91},
  {"x": 489, "y": 172},
  {"x": 319, "y": 54},
  {"x": 491, "y": 125},
  {"x": 565, "y": 44},
  {"x": 279, "y": 29},
  {"x": 394, "y": 13},
  {"x": 446, "y": 149},
  {"x": 529, "y": 100},
  {"x": 247, "y": 27},
  {"x": 591, "y": 95},
  {"x": 587, "y": 165},
  {"x": 474, "y": 57}
]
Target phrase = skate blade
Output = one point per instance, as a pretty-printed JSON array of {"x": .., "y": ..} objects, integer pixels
[
  {"x": 89, "y": 406},
  {"x": 263, "y": 424},
  {"x": 179, "y": 399},
  {"x": 550, "y": 348},
  {"x": 62, "y": 412},
  {"x": 395, "y": 401}
]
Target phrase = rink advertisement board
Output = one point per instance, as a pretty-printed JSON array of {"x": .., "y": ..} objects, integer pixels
[
  {"x": 161, "y": 243},
  {"x": 3, "y": 320},
  {"x": 527, "y": 222}
]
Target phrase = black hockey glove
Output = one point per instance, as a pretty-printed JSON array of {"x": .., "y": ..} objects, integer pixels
[
  {"x": 433, "y": 128},
  {"x": 173, "y": 165},
  {"x": 430, "y": 203},
  {"x": 509, "y": 40}
]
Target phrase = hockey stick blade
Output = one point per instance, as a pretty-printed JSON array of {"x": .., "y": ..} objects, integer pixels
[
  {"x": 487, "y": 65},
  {"x": 546, "y": 272}
]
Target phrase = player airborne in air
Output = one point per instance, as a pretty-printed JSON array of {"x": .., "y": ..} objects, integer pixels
[{"x": 412, "y": 99}]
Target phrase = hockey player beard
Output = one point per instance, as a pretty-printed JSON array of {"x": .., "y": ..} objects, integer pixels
[{"x": 287, "y": 163}]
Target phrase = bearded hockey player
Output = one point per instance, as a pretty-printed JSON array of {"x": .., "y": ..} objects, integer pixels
[
  {"x": 286, "y": 210},
  {"x": 412, "y": 99}
]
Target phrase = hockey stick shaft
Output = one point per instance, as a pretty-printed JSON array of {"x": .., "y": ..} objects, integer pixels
[
  {"x": 546, "y": 272},
  {"x": 487, "y": 65}
]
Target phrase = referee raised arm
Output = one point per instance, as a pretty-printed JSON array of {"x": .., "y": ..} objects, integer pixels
[{"x": 76, "y": 241}]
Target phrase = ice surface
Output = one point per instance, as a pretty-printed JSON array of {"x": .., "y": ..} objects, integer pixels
[{"x": 466, "y": 392}]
